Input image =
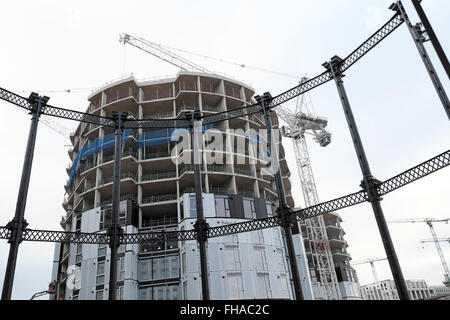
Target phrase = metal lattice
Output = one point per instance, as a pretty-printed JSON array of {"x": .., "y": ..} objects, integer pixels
[
  {"x": 157, "y": 123},
  {"x": 4, "y": 233},
  {"x": 64, "y": 236},
  {"x": 370, "y": 43},
  {"x": 415, "y": 173},
  {"x": 332, "y": 205}
]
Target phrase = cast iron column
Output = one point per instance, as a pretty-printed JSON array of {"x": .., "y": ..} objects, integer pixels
[
  {"x": 434, "y": 40},
  {"x": 418, "y": 41},
  {"x": 115, "y": 230},
  {"x": 18, "y": 224},
  {"x": 369, "y": 183},
  {"x": 200, "y": 225},
  {"x": 283, "y": 210}
]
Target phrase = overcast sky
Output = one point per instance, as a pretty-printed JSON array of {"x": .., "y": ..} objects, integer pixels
[{"x": 56, "y": 45}]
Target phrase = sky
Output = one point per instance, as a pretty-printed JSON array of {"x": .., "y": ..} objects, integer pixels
[{"x": 58, "y": 45}]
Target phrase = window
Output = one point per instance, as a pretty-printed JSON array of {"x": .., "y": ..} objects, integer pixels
[
  {"x": 192, "y": 207},
  {"x": 232, "y": 260},
  {"x": 100, "y": 273},
  {"x": 222, "y": 207},
  {"x": 79, "y": 253},
  {"x": 263, "y": 286},
  {"x": 284, "y": 286},
  {"x": 99, "y": 295},
  {"x": 123, "y": 214},
  {"x": 269, "y": 209},
  {"x": 183, "y": 262},
  {"x": 260, "y": 259},
  {"x": 105, "y": 218},
  {"x": 101, "y": 250},
  {"x": 249, "y": 209},
  {"x": 119, "y": 293},
  {"x": 159, "y": 268},
  {"x": 281, "y": 259},
  {"x": 234, "y": 286},
  {"x": 78, "y": 223},
  {"x": 121, "y": 269},
  {"x": 258, "y": 237}
]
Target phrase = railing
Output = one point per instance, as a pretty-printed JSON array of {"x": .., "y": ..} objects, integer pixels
[
  {"x": 89, "y": 186},
  {"x": 217, "y": 190},
  {"x": 159, "y": 222},
  {"x": 244, "y": 172},
  {"x": 186, "y": 108},
  {"x": 128, "y": 196},
  {"x": 161, "y": 115},
  {"x": 211, "y": 109},
  {"x": 247, "y": 193},
  {"x": 158, "y": 176},
  {"x": 88, "y": 207},
  {"x": 124, "y": 175},
  {"x": 339, "y": 251},
  {"x": 159, "y": 154},
  {"x": 160, "y": 198},
  {"x": 216, "y": 168},
  {"x": 107, "y": 158}
]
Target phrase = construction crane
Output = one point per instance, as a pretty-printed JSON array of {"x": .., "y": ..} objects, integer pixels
[
  {"x": 301, "y": 122},
  {"x": 429, "y": 222},
  {"x": 54, "y": 125},
  {"x": 372, "y": 265},
  {"x": 433, "y": 240}
]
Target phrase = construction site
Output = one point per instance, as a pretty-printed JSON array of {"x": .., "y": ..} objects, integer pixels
[{"x": 200, "y": 187}]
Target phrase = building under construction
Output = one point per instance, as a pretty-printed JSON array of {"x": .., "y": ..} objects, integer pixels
[{"x": 157, "y": 193}]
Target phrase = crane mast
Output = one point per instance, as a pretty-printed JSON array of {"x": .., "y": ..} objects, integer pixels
[
  {"x": 372, "y": 266},
  {"x": 436, "y": 240},
  {"x": 298, "y": 124}
]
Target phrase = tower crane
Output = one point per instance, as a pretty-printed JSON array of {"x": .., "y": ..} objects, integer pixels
[
  {"x": 372, "y": 265},
  {"x": 301, "y": 122},
  {"x": 433, "y": 240},
  {"x": 429, "y": 222}
]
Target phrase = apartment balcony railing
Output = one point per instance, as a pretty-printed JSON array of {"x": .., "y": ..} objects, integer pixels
[
  {"x": 186, "y": 108},
  {"x": 123, "y": 197},
  {"x": 158, "y": 154},
  {"x": 158, "y": 176},
  {"x": 159, "y": 222},
  {"x": 87, "y": 207},
  {"x": 89, "y": 186},
  {"x": 218, "y": 190},
  {"x": 124, "y": 175},
  {"x": 159, "y": 198},
  {"x": 217, "y": 168},
  {"x": 244, "y": 172},
  {"x": 211, "y": 109},
  {"x": 162, "y": 115},
  {"x": 339, "y": 251},
  {"x": 247, "y": 193}
]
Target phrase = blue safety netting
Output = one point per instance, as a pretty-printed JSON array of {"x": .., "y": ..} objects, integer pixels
[
  {"x": 93, "y": 147},
  {"x": 145, "y": 139}
]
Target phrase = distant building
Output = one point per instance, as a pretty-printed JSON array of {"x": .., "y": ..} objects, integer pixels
[
  {"x": 440, "y": 292},
  {"x": 417, "y": 290}
]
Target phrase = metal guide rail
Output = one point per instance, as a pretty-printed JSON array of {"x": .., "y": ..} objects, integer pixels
[{"x": 415, "y": 173}]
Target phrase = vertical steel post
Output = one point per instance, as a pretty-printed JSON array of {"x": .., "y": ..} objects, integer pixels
[
  {"x": 200, "y": 225},
  {"x": 283, "y": 208},
  {"x": 18, "y": 224},
  {"x": 369, "y": 183},
  {"x": 115, "y": 230},
  {"x": 434, "y": 40},
  {"x": 418, "y": 41}
]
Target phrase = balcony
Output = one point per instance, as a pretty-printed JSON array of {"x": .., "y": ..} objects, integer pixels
[
  {"x": 124, "y": 175},
  {"x": 158, "y": 154},
  {"x": 158, "y": 176},
  {"x": 159, "y": 222},
  {"x": 159, "y": 198}
]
